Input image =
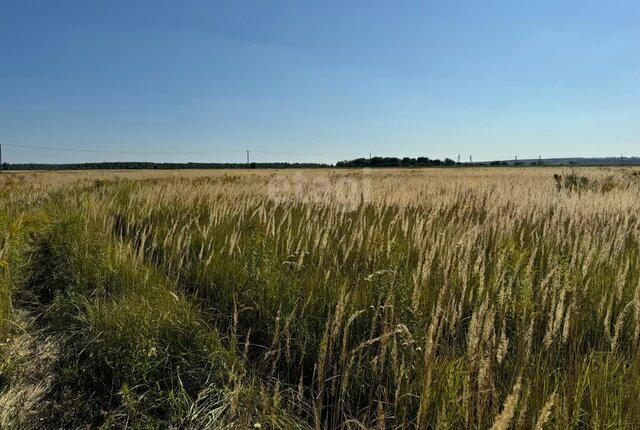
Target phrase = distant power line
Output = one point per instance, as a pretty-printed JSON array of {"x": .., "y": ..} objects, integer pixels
[
  {"x": 106, "y": 151},
  {"x": 310, "y": 154}
]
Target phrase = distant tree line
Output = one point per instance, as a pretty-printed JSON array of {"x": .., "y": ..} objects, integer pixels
[
  {"x": 395, "y": 162},
  {"x": 357, "y": 163},
  {"x": 428, "y": 162},
  {"x": 133, "y": 165}
]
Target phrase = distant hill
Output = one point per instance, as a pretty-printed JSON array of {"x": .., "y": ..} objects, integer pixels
[{"x": 581, "y": 161}]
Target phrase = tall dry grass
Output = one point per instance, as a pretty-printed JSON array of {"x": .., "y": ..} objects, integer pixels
[{"x": 447, "y": 298}]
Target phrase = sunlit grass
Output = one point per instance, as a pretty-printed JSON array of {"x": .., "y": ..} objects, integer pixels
[{"x": 448, "y": 298}]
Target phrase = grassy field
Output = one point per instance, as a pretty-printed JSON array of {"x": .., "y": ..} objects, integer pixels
[{"x": 434, "y": 298}]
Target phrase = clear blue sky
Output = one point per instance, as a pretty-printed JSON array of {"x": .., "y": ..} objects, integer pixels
[{"x": 430, "y": 78}]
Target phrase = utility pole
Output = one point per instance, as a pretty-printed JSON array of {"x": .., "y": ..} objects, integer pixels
[
  {"x": 248, "y": 157},
  {"x": 369, "y": 159},
  {"x": 539, "y": 160},
  {"x": 1, "y": 166},
  {"x": 621, "y": 159},
  {"x": 458, "y": 159},
  {"x": 470, "y": 160}
]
